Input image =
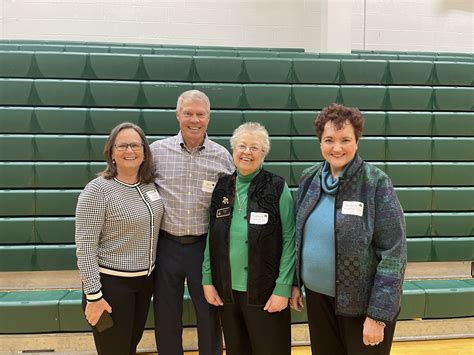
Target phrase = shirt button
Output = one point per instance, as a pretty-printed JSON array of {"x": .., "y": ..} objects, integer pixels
[
  {"x": 190, "y": 175},
  {"x": 246, "y": 268},
  {"x": 189, "y": 193},
  {"x": 189, "y": 211},
  {"x": 188, "y": 231}
]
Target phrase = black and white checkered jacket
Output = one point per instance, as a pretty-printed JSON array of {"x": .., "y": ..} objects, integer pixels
[{"x": 117, "y": 227}]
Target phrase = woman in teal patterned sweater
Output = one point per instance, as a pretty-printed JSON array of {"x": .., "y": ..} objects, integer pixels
[{"x": 350, "y": 244}]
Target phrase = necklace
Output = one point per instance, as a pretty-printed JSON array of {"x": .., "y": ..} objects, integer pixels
[{"x": 241, "y": 203}]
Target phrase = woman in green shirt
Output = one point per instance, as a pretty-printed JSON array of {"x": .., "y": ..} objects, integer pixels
[{"x": 249, "y": 260}]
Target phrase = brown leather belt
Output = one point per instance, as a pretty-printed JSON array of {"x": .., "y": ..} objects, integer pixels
[{"x": 184, "y": 239}]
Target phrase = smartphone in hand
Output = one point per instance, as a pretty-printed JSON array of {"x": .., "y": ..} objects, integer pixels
[{"x": 105, "y": 322}]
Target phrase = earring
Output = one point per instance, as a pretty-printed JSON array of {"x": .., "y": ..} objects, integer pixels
[{"x": 113, "y": 161}]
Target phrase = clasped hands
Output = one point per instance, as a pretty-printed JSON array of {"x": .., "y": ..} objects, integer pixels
[{"x": 274, "y": 304}]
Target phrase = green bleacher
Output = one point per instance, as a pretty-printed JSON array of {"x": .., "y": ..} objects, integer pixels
[{"x": 59, "y": 101}]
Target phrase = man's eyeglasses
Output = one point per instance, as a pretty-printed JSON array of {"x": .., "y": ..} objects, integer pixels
[
  {"x": 123, "y": 146},
  {"x": 253, "y": 148}
]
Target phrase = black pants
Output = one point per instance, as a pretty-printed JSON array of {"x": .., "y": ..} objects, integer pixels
[
  {"x": 249, "y": 330},
  {"x": 130, "y": 299},
  {"x": 175, "y": 263},
  {"x": 339, "y": 335}
]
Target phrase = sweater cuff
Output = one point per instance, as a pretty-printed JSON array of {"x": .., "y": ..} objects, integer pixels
[
  {"x": 94, "y": 297},
  {"x": 282, "y": 290},
  {"x": 207, "y": 279}
]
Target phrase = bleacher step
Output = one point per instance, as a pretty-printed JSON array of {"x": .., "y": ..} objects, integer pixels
[{"x": 69, "y": 279}]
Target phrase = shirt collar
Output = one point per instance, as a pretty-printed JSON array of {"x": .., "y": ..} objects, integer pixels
[{"x": 180, "y": 142}]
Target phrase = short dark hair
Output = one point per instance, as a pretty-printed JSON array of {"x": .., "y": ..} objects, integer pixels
[
  {"x": 146, "y": 172},
  {"x": 338, "y": 115}
]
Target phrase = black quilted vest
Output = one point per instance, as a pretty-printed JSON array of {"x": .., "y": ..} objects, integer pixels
[{"x": 264, "y": 241}]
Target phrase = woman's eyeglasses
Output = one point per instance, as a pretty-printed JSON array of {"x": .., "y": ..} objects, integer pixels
[
  {"x": 253, "y": 148},
  {"x": 123, "y": 146}
]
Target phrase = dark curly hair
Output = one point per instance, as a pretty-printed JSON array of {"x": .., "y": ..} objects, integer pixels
[
  {"x": 339, "y": 115},
  {"x": 146, "y": 173}
]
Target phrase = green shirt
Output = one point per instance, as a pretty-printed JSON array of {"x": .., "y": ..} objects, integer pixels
[{"x": 239, "y": 247}]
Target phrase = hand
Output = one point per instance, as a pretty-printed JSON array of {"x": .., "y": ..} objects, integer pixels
[
  {"x": 94, "y": 310},
  {"x": 373, "y": 332},
  {"x": 211, "y": 295},
  {"x": 276, "y": 304},
  {"x": 296, "y": 300}
]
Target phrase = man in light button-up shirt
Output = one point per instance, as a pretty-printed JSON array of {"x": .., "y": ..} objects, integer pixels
[{"x": 188, "y": 166}]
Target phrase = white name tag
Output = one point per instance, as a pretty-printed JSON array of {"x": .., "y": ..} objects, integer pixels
[
  {"x": 258, "y": 218},
  {"x": 354, "y": 208},
  {"x": 153, "y": 195},
  {"x": 208, "y": 186}
]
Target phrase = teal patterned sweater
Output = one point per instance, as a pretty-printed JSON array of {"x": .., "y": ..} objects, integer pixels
[{"x": 370, "y": 249}]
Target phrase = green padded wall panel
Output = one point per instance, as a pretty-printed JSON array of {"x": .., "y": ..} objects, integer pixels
[
  {"x": 268, "y": 70},
  {"x": 102, "y": 121},
  {"x": 226, "y": 96},
  {"x": 268, "y": 96},
  {"x": 217, "y": 69},
  {"x": 17, "y": 258},
  {"x": 59, "y": 92},
  {"x": 316, "y": 71},
  {"x": 114, "y": 94},
  {"x": 359, "y": 71},
  {"x": 16, "y": 120},
  {"x": 407, "y": 72},
  {"x": 15, "y": 91},
  {"x": 114, "y": 66},
  {"x": 60, "y": 120},
  {"x": 453, "y": 224},
  {"x": 453, "y": 123},
  {"x": 453, "y": 249},
  {"x": 17, "y": 231},
  {"x": 56, "y": 202},
  {"x": 455, "y": 73},
  {"x": 419, "y": 249},
  {"x": 56, "y": 257},
  {"x": 418, "y": 224},
  {"x": 15, "y": 64},
  {"x": 54, "y": 230},
  {"x": 60, "y": 65},
  {"x": 16, "y": 175},
  {"x": 168, "y": 67},
  {"x": 312, "y": 97},
  {"x": 17, "y": 203},
  {"x": 276, "y": 123},
  {"x": 364, "y": 97}
]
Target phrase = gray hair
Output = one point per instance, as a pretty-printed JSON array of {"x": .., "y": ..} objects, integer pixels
[
  {"x": 255, "y": 129},
  {"x": 193, "y": 95}
]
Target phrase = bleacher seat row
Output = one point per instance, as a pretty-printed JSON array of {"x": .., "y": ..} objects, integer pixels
[
  {"x": 60, "y": 65},
  {"x": 102, "y": 93},
  {"x": 59, "y": 101}
]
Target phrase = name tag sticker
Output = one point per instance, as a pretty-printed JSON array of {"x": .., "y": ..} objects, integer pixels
[
  {"x": 354, "y": 208},
  {"x": 208, "y": 186},
  {"x": 223, "y": 212},
  {"x": 258, "y": 218},
  {"x": 153, "y": 195}
]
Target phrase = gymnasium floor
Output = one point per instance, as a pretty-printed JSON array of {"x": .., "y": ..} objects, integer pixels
[{"x": 428, "y": 347}]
